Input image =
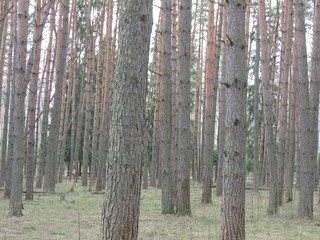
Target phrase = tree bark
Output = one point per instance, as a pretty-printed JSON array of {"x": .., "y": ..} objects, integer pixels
[
  {"x": 120, "y": 215},
  {"x": 183, "y": 194},
  {"x": 105, "y": 123},
  {"x": 88, "y": 97},
  {"x": 165, "y": 112},
  {"x": 49, "y": 179},
  {"x": 314, "y": 87},
  {"x": 257, "y": 162},
  {"x": 307, "y": 174},
  {"x": 15, "y": 204},
  {"x": 209, "y": 111},
  {"x": 5, "y": 124},
  {"x": 97, "y": 105},
  {"x": 32, "y": 104},
  {"x": 9, "y": 158},
  {"x": 45, "y": 114},
  {"x": 267, "y": 89},
  {"x": 233, "y": 203}
]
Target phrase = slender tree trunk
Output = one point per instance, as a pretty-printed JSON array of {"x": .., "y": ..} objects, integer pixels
[
  {"x": 165, "y": 112},
  {"x": 104, "y": 127},
  {"x": 284, "y": 77},
  {"x": 197, "y": 108},
  {"x": 49, "y": 180},
  {"x": 222, "y": 100},
  {"x": 183, "y": 195},
  {"x": 127, "y": 125},
  {"x": 233, "y": 204},
  {"x": 45, "y": 115},
  {"x": 3, "y": 37},
  {"x": 314, "y": 87},
  {"x": 268, "y": 110},
  {"x": 73, "y": 161},
  {"x": 305, "y": 205},
  {"x": 97, "y": 105},
  {"x": 5, "y": 124},
  {"x": 192, "y": 51},
  {"x": 156, "y": 119},
  {"x": 15, "y": 204},
  {"x": 209, "y": 111},
  {"x": 174, "y": 97},
  {"x": 32, "y": 103},
  {"x": 9, "y": 158},
  {"x": 292, "y": 134},
  {"x": 88, "y": 97},
  {"x": 257, "y": 161}
]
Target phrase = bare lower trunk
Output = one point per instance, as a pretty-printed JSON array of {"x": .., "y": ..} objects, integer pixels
[
  {"x": 233, "y": 203},
  {"x": 125, "y": 156},
  {"x": 307, "y": 175},
  {"x": 49, "y": 179},
  {"x": 183, "y": 195},
  {"x": 15, "y": 204}
]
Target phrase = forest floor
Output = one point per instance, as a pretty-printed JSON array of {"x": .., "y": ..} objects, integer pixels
[{"x": 74, "y": 216}]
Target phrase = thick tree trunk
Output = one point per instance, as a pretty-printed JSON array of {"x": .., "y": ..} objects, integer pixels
[
  {"x": 15, "y": 204},
  {"x": 127, "y": 124},
  {"x": 184, "y": 154},
  {"x": 233, "y": 203},
  {"x": 49, "y": 179},
  {"x": 307, "y": 174}
]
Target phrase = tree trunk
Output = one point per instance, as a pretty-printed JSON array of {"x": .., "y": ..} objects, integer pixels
[
  {"x": 15, "y": 204},
  {"x": 233, "y": 204},
  {"x": 88, "y": 93},
  {"x": 97, "y": 106},
  {"x": 49, "y": 180},
  {"x": 209, "y": 111},
  {"x": 292, "y": 133},
  {"x": 127, "y": 124},
  {"x": 5, "y": 124},
  {"x": 155, "y": 167},
  {"x": 183, "y": 195},
  {"x": 222, "y": 100},
  {"x": 45, "y": 114},
  {"x": 256, "y": 160},
  {"x": 165, "y": 112},
  {"x": 105, "y": 123},
  {"x": 314, "y": 87},
  {"x": 284, "y": 77},
  {"x": 32, "y": 103},
  {"x": 174, "y": 97},
  {"x": 307, "y": 174},
  {"x": 9, "y": 158},
  {"x": 267, "y": 89}
]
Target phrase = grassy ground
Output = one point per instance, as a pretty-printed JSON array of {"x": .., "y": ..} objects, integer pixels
[{"x": 70, "y": 215}]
